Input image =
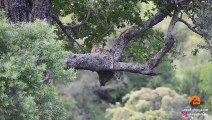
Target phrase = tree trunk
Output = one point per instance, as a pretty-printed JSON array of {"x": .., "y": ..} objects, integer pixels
[
  {"x": 17, "y": 10},
  {"x": 41, "y": 10},
  {"x": 26, "y": 10}
]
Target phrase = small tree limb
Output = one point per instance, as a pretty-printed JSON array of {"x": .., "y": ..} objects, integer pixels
[
  {"x": 205, "y": 36},
  {"x": 60, "y": 24},
  {"x": 190, "y": 27},
  {"x": 81, "y": 23}
]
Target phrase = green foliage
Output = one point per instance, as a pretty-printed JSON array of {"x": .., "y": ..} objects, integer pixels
[
  {"x": 190, "y": 83},
  {"x": 106, "y": 16},
  {"x": 166, "y": 78},
  {"x": 203, "y": 17},
  {"x": 70, "y": 106},
  {"x": 27, "y": 50},
  {"x": 205, "y": 77},
  {"x": 198, "y": 83},
  {"x": 97, "y": 111},
  {"x": 161, "y": 104},
  {"x": 165, "y": 6},
  {"x": 145, "y": 46},
  {"x": 206, "y": 83}
]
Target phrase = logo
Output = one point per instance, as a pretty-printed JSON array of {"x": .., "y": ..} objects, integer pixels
[
  {"x": 184, "y": 114},
  {"x": 194, "y": 101}
]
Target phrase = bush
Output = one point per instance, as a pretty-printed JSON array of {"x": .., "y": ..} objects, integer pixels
[
  {"x": 147, "y": 104},
  {"x": 26, "y": 51}
]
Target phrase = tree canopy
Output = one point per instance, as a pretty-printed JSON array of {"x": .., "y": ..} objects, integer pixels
[{"x": 39, "y": 50}]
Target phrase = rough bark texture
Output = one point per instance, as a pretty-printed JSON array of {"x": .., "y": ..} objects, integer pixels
[
  {"x": 17, "y": 10},
  {"x": 26, "y": 10},
  {"x": 99, "y": 63},
  {"x": 41, "y": 9},
  {"x": 102, "y": 66},
  {"x": 1, "y": 4}
]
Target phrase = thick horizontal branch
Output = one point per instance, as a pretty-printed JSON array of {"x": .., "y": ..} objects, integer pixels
[{"x": 100, "y": 63}]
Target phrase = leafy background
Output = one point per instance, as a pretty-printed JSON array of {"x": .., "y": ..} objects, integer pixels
[{"x": 27, "y": 50}]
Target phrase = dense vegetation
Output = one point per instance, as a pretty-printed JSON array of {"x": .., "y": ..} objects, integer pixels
[
  {"x": 36, "y": 82},
  {"x": 23, "y": 63}
]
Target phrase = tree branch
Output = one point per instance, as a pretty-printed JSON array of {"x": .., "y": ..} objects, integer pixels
[
  {"x": 130, "y": 33},
  {"x": 81, "y": 23},
  {"x": 153, "y": 62},
  {"x": 197, "y": 32},
  {"x": 190, "y": 27},
  {"x": 100, "y": 63},
  {"x": 60, "y": 24}
]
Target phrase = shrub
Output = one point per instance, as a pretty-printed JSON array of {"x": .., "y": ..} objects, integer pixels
[{"x": 26, "y": 51}]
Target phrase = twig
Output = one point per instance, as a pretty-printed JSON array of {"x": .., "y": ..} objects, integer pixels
[
  {"x": 190, "y": 27},
  {"x": 197, "y": 32}
]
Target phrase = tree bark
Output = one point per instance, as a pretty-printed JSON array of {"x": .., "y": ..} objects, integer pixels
[
  {"x": 99, "y": 63},
  {"x": 27, "y": 10},
  {"x": 41, "y": 10},
  {"x": 17, "y": 10}
]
